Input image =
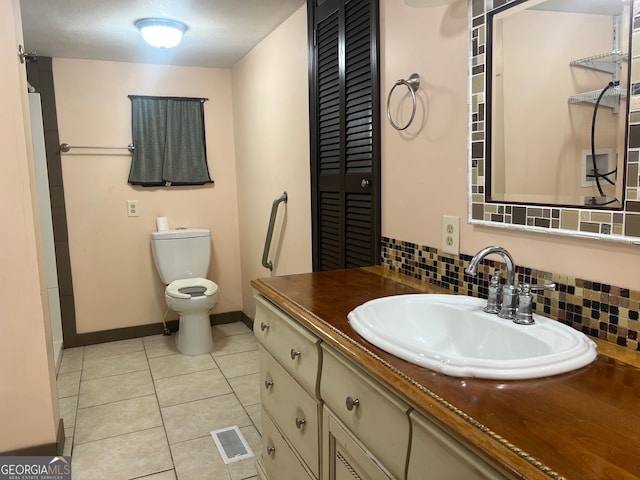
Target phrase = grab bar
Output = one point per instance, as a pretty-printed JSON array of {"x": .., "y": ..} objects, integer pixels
[
  {"x": 65, "y": 147},
  {"x": 267, "y": 243}
]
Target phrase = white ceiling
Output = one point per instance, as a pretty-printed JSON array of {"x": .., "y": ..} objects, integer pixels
[{"x": 220, "y": 32}]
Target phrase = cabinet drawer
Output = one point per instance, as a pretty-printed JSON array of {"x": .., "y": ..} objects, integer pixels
[
  {"x": 374, "y": 416},
  {"x": 278, "y": 460},
  {"x": 442, "y": 456},
  {"x": 294, "y": 411},
  {"x": 297, "y": 349}
]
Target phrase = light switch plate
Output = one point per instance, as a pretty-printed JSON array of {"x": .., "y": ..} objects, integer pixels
[{"x": 451, "y": 234}]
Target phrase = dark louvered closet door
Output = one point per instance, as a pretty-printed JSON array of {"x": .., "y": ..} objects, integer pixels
[{"x": 345, "y": 147}]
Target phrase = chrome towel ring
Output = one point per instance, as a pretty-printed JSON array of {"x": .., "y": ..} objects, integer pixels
[{"x": 412, "y": 83}]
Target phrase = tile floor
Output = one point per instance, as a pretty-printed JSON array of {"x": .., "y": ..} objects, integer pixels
[{"x": 138, "y": 409}]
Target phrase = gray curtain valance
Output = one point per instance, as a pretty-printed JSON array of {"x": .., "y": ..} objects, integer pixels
[{"x": 169, "y": 141}]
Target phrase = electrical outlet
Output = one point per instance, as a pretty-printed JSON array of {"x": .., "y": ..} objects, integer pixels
[
  {"x": 132, "y": 208},
  {"x": 451, "y": 234}
]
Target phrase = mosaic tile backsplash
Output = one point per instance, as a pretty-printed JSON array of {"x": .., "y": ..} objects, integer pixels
[{"x": 599, "y": 310}]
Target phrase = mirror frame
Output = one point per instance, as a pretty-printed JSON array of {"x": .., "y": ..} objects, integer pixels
[{"x": 619, "y": 225}]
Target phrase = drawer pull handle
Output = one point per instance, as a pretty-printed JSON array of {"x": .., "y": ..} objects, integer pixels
[
  {"x": 295, "y": 353},
  {"x": 300, "y": 422},
  {"x": 268, "y": 384},
  {"x": 263, "y": 326},
  {"x": 352, "y": 403},
  {"x": 271, "y": 450}
]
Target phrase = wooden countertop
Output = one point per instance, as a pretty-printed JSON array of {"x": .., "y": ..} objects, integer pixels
[{"x": 580, "y": 425}]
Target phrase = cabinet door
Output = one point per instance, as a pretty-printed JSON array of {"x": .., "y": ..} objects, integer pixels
[
  {"x": 344, "y": 457},
  {"x": 437, "y": 455}
]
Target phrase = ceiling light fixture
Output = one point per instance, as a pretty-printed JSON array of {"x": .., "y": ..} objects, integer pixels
[{"x": 160, "y": 32}]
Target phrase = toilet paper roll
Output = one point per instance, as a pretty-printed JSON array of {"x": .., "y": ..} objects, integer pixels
[{"x": 162, "y": 224}]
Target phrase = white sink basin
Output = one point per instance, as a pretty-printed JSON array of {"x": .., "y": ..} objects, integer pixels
[{"x": 452, "y": 335}]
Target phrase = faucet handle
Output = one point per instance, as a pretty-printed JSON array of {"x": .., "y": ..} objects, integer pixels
[
  {"x": 493, "y": 300},
  {"x": 538, "y": 288},
  {"x": 524, "y": 315}
]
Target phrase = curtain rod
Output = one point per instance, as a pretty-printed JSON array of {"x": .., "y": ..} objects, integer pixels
[{"x": 202, "y": 99}]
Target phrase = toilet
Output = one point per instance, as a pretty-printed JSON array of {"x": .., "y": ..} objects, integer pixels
[{"x": 182, "y": 261}]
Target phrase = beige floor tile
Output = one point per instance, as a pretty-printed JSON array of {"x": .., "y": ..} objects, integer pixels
[
  {"x": 255, "y": 413},
  {"x": 127, "y": 456},
  {"x": 226, "y": 329},
  {"x": 113, "y": 348},
  {"x": 161, "y": 346},
  {"x": 71, "y": 360},
  {"x": 191, "y": 386},
  {"x": 103, "y": 390},
  {"x": 197, "y": 419},
  {"x": 234, "y": 344},
  {"x": 68, "y": 408},
  {"x": 114, "y": 365},
  {"x": 198, "y": 459},
  {"x": 238, "y": 364},
  {"x": 172, "y": 365},
  {"x": 117, "y": 418},
  {"x": 68, "y": 384},
  {"x": 247, "y": 388}
]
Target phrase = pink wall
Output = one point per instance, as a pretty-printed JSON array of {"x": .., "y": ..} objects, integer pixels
[
  {"x": 271, "y": 127},
  {"x": 425, "y": 168},
  {"x": 114, "y": 278},
  {"x": 28, "y": 395}
]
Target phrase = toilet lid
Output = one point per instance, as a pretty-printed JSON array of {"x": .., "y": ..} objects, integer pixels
[{"x": 191, "y": 287}]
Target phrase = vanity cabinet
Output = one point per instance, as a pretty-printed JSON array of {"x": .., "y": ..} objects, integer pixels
[{"x": 325, "y": 418}]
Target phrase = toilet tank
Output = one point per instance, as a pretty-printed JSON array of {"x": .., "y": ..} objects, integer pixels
[{"x": 181, "y": 253}]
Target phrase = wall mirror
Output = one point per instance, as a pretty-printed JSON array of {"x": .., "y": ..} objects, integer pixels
[{"x": 540, "y": 71}]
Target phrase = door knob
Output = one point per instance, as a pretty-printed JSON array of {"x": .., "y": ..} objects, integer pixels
[{"x": 364, "y": 183}]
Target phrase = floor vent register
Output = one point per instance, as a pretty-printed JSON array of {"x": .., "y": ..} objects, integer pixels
[{"x": 231, "y": 444}]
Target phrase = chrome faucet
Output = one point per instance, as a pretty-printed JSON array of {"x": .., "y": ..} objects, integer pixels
[
  {"x": 509, "y": 290},
  {"x": 517, "y": 301}
]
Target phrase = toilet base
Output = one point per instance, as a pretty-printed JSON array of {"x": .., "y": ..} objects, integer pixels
[{"x": 194, "y": 334}]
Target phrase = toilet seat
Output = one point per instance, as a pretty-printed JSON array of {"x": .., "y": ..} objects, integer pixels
[{"x": 201, "y": 286}]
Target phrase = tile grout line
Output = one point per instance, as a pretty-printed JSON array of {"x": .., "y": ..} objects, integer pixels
[{"x": 164, "y": 427}]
